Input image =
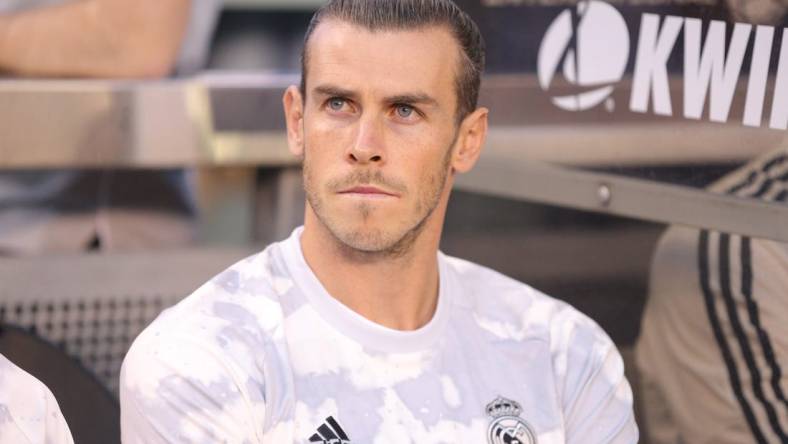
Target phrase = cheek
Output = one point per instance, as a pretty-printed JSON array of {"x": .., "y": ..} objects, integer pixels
[
  {"x": 328, "y": 129},
  {"x": 426, "y": 167},
  {"x": 323, "y": 149}
]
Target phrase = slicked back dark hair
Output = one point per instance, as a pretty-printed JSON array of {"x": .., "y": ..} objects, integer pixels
[{"x": 389, "y": 15}]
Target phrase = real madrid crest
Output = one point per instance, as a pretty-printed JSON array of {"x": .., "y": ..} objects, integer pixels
[{"x": 507, "y": 427}]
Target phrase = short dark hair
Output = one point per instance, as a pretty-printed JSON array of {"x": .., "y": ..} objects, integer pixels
[{"x": 413, "y": 14}]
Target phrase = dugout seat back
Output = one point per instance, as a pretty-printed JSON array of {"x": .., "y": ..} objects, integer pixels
[{"x": 92, "y": 306}]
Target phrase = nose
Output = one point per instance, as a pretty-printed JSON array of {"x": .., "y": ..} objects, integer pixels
[{"x": 368, "y": 146}]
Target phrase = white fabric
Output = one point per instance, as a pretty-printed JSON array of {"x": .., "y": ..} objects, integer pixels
[
  {"x": 29, "y": 413},
  {"x": 263, "y": 354}
]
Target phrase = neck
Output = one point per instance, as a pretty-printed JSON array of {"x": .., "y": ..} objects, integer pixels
[{"x": 398, "y": 291}]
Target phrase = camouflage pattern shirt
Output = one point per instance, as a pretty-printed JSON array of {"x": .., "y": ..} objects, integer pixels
[
  {"x": 263, "y": 354},
  {"x": 29, "y": 413}
]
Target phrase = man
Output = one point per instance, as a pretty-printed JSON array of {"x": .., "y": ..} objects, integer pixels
[
  {"x": 713, "y": 346},
  {"x": 356, "y": 329},
  {"x": 28, "y": 411},
  {"x": 43, "y": 211},
  {"x": 71, "y": 211}
]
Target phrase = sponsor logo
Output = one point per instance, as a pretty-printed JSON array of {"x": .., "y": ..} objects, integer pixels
[
  {"x": 330, "y": 432},
  {"x": 589, "y": 45},
  {"x": 595, "y": 62}
]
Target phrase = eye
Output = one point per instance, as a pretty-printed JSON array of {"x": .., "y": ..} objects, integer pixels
[
  {"x": 336, "y": 103},
  {"x": 405, "y": 111}
]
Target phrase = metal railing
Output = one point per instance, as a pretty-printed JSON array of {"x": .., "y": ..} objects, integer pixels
[{"x": 232, "y": 120}]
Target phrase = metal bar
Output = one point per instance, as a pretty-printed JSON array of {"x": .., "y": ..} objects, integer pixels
[
  {"x": 200, "y": 122},
  {"x": 605, "y": 193}
]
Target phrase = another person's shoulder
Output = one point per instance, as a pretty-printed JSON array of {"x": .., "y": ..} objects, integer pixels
[
  {"x": 29, "y": 412},
  {"x": 518, "y": 310}
]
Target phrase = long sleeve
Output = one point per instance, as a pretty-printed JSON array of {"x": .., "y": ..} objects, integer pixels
[
  {"x": 596, "y": 397},
  {"x": 176, "y": 389}
]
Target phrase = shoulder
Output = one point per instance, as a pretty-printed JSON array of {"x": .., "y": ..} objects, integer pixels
[
  {"x": 586, "y": 367},
  {"x": 244, "y": 295},
  {"x": 205, "y": 358},
  {"x": 28, "y": 410},
  {"x": 229, "y": 320},
  {"x": 585, "y": 363},
  {"x": 13, "y": 377},
  {"x": 517, "y": 309},
  {"x": 22, "y": 395}
]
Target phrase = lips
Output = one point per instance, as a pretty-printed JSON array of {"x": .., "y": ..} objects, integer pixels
[{"x": 367, "y": 191}]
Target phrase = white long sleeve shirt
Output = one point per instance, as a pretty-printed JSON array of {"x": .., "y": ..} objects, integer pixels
[
  {"x": 263, "y": 354},
  {"x": 29, "y": 413}
]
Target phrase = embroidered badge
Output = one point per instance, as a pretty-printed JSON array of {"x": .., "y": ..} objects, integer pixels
[{"x": 507, "y": 427}]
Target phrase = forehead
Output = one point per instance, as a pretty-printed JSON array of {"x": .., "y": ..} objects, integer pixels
[{"x": 387, "y": 62}]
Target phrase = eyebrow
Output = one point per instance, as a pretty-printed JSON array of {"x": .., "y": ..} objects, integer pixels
[
  {"x": 412, "y": 99},
  {"x": 406, "y": 98},
  {"x": 334, "y": 91}
]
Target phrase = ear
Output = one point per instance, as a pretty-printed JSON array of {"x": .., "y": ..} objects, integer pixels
[
  {"x": 294, "y": 118},
  {"x": 473, "y": 133}
]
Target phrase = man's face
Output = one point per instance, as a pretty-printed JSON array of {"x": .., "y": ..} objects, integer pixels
[{"x": 379, "y": 126}]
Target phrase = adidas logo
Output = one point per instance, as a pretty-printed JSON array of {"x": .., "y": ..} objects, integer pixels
[{"x": 330, "y": 433}]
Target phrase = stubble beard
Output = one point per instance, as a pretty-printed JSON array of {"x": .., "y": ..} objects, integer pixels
[{"x": 369, "y": 244}]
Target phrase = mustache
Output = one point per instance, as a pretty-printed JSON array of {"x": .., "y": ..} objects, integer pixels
[{"x": 366, "y": 177}]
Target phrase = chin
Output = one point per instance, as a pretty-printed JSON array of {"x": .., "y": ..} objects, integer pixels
[
  {"x": 389, "y": 241},
  {"x": 366, "y": 239},
  {"x": 369, "y": 229}
]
